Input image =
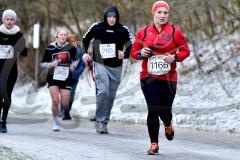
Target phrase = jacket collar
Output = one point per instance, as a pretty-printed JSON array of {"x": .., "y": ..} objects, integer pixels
[{"x": 163, "y": 26}]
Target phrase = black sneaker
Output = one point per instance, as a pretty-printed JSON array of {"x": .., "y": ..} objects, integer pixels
[
  {"x": 93, "y": 119},
  {"x": 67, "y": 116},
  {"x": 3, "y": 128}
]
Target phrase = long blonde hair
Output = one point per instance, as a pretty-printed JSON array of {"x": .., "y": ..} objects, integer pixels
[{"x": 59, "y": 29}]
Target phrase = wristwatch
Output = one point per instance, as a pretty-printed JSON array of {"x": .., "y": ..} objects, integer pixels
[{"x": 175, "y": 58}]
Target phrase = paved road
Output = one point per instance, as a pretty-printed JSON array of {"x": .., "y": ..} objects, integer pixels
[{"x": 30, "y": 137}]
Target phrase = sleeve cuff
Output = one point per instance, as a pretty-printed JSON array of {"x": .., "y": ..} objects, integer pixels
[
  {"x": 75, "y": 63},
  {"x": 46, "y": 65}
]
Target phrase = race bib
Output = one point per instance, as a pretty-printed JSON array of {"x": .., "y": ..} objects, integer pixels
[
  {"x": 157, "y": 66},
  {"x": 61, "y": 73},
  {"x": 107, "y": 50},
  {"x": 6, "y": 51}
]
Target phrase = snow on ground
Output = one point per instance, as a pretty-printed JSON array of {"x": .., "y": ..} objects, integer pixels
[{"x": 207, "y": 101}]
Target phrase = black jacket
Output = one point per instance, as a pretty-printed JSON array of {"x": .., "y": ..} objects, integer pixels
[
  {"x": 54, "y": 52},
  {"x": 106, "y": 34},
  {"x": 8, "y": 66}
]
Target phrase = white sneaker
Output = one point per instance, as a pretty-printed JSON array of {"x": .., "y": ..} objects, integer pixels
[
  {"x": 56, "y": 128},
  {"x": 56, "y": 124}
]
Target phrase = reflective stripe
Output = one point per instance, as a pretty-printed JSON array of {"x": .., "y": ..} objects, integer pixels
[
  {"x": 129, "y": 33},
  {"x": 94, "y": 24}
]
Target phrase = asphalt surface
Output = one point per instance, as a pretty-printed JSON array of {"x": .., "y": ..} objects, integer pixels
[{"x": 31, "y": 137}]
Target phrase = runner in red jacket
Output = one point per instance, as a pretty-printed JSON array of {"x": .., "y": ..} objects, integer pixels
[{"x": 160, "y": 45}]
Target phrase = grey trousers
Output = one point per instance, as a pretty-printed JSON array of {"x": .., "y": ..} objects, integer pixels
[{"x": 107, "y": 80}]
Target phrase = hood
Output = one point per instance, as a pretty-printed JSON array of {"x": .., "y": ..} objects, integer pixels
[
  {"x": 56, "y": 46},
  {"x": 111, "y": 9}
]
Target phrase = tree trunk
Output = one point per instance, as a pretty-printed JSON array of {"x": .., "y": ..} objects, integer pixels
[{"x": 75, "y": 18}]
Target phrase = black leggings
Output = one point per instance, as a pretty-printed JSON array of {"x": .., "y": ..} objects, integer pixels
[
  {"x": 6, "y": 88},
  {"x": 159, "y": 96}
]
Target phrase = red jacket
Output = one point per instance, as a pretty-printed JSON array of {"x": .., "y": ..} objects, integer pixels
[{"x": 162, "y": 43}]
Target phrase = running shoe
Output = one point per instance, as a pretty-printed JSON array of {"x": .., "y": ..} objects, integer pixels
[
  {"x": 104, "y": 129},
  {"x": 93, "y": 119},
  {"x": 101, "y": 128},
  {"x": 98, "y": 126},
  {"x": 3, "y": 127},
  {"x": 153, "y": 149},
  {"x": 66, "y": 116},
  {"x": 56, "y": 124},
  {"x": 169, "y": 132}
]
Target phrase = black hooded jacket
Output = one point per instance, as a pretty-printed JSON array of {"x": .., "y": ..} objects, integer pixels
[{"x": 103, "y": 33}]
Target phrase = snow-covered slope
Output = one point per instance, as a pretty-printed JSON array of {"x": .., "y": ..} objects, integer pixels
[{"x": 206, "y": 99}]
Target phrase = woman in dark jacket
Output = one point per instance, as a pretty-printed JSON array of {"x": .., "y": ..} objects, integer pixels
[
  {"x": 60, "y": 60},
  {"x": 11, "y": 43}
]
